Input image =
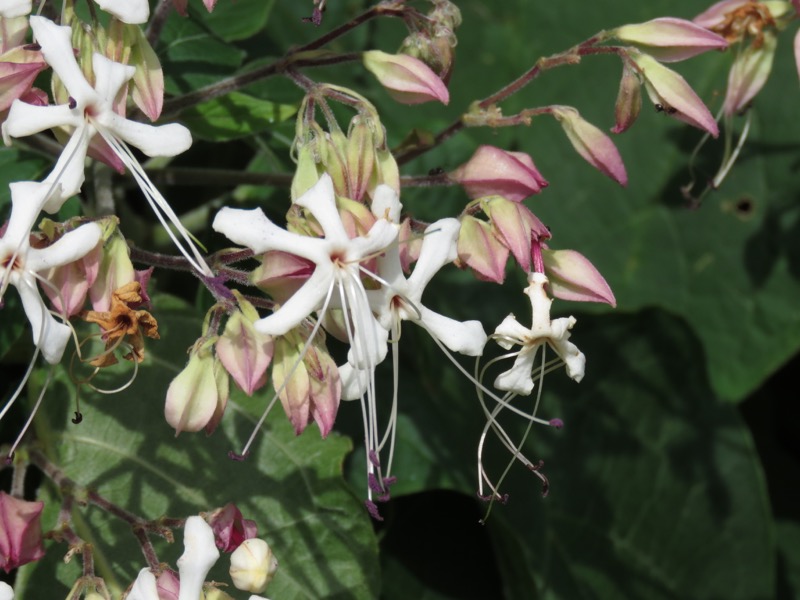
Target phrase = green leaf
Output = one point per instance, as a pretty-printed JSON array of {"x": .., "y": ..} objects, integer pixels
[
  {"x": 193, "y": 58},
  {"x": 233, "y": 116},
  {"x": 655, "y": 487},
  {"x": 239, "y": 20},
  {"x": 291, "y": 486}
]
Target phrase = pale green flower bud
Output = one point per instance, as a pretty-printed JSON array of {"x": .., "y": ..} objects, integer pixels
[{"x": 253, "y": 566}]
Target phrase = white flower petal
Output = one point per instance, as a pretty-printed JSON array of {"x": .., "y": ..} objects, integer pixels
[
  {"x": 518, "y": 378},
  {"x": 109, "y": 76},
  {"x": 69, "y": 248},
  {"x": 26, "y": 200},
  {"x": 320, "y": 199},
  {"x": 438, "y": 249},
  {"x": 26, "y": 119},
  {"x": 511, "y": 332},
  {"x": 68, "y": 174},
  {"x": 466, "y": 337},
  {"x": 369, "y": 345},
  {"x": 386, "y": 204},
  {"x": 199, "y": 556},
  {"x": 134, "y": 12},
  {"x": 56, "y": 43},
  {"x": 380, "y": 236},
  {"x": 354, "y": 381},
  {"x": 144, "y": 588},
  {"x": 161, "y": 140},
  {"x": 49, "y": 335},
  {"x": 303, "y": 302}
]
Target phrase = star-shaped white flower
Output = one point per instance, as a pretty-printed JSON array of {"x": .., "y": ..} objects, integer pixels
[
  {"x": 19, "y": 264},
  {"x": 336, "y": 257},
  {"x": 543, "y": 331},
  {"x": 90, "y": 111}
]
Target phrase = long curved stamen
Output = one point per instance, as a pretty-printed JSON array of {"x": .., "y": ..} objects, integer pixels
[
  {"x": 391, "y": 429},
  {"x": 158, "y": 203}
]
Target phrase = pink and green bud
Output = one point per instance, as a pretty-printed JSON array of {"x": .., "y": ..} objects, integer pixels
[
  {"x": 573, "y": 277},
  {"x": 244, "y": 352},
  {"x": 253, "y": 566},
  {"x": 115, "y": 269},
  {"x": 407, "y": 79},
  {"x": 669, "y": 39},
  {"x": 356, "y": 217},
  {"x": 148, "y": 79},
  {"x": 281, "y": 274},
  {"x": 386, "y": 171},
  {"x": 20, "y": 533},
  {"x": 629, "y": 100},
  {"x": 196, "y": 398},
  {"x": 410, "y": 243},
  {"x": 18, "y": 70},
  {"x": 230, "y": 527},
  {"x": 591, "y": 143},
  {"x": 516, "y": 227},
  {"x": 671, "y": 95},
  {"x": 492, "y": 171},
  {"x": 310, "y": 388},
  {"x": 168, "y": 585},
  {"x": 306, "y": 174},
  {"x": 480, "y": 250},
  {"x": 749, "y": 73},
  {"x": 360, "y": 154}
]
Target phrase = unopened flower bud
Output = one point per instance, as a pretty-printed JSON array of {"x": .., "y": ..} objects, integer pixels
[
  {"x": 148, "y": 79},
  {"x": 253, "y": 566},
  {"x": 244, "y": 352},
  {"x": 671, "y": 94},
  {"x": 480, "y": 250},
  {"x": 592, "y": 144},
  {"x": 360, "y": 155},
  {"x": 573, "y": 277},
  {"x": 168, "y": 585},
  {"x": 18, "y": 70},
  {"x": 385, "y": 171},
  {"x": 21, "y": 534},
  {"x": 230, "y": 527},
  {"x": 281, "y": 274},
  {"x": 410, "y": 243},
  {"x": 516, "y": 227},
  {"x": 115, "y": 269},
  {"x": 492, "y": 171},
  {"x": 629, "y": 100},
  {"x": 749, "y": 73},
  {"x": 407, "y": 79},
  {"x": 198, "y": 395},
  {"x": 669, "y": 39},
  {"x": 306, "y": 174}
]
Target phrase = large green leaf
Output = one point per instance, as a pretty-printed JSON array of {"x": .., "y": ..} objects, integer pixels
[
  {"x": 291, "y": 486},
  {"x": 233, "y": 116},
  {"x": 655, "y": 486},
  {"x": 239, "y": 20}
]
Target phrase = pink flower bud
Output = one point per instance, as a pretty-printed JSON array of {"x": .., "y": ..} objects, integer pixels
[
  {"x": 492, "y": 171},
  {"x": 194, "y": 396},
  {"x": 281, "y": 274},
  {"x": 21, "y": 532},
  {"x": 230, "y": 527},
  {"x": 669, "y": 39},
  {"x": 516, "y": 227},
  {"x": 591, "y": 143},
  {"x": 671, "y": 94},
  {"x": 356, "y": 217},
  {"x": 360, "y": 155},
  {"x": 749, "y": 73},
  {"x": 480, "y": 250},
  {"x": 116, "y": 268},
  {"x": 629, "y": 100},
  {"x": 407, "y": 79},
  {"x": 716, "y": 13},
  {"x": 244, "y": 352},
  {"x": 410, "y": 243},
  {"x": 18, "y": 70},
  {"x": 573, "y": 277},
  {"x": 148, "y": 79},
  {"x": 168, "y": 585}
]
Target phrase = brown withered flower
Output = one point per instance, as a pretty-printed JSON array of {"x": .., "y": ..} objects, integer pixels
[{"x": 122, "y": 322}]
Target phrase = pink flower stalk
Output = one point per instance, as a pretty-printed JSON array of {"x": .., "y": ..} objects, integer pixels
[
  {"x": 407, "y": 79},
  {"x": 671, "y": 94},
  {"x": 20, "y": 532},
  {"x": 230, "y": 527},
  {"x": 573, "y": 277},
  {"x": 591, "y": 143},
  {"x": 669, "y": 39},
  {"x": 492, "y": 171},
  {"x": 480, "y": 250}
]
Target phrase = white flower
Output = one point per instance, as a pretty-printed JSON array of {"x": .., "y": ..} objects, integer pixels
[
  {"x": 19, "y": 264},
  {"x": 543, "y": 331},
  {"x": 199, "y": 555},
  {"x": 134, "y": 12},
  {"x": 89, "y": 112},
  {"x": 337, "y": 259}
]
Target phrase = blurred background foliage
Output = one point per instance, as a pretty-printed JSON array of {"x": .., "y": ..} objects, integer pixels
[{"x": 676, "y": 473}]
